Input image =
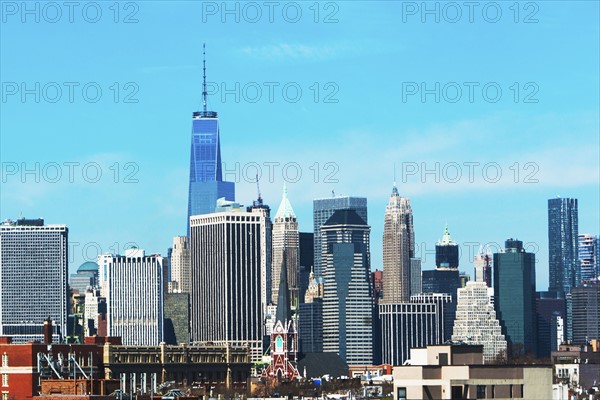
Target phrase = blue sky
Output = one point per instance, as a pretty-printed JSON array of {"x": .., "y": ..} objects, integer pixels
[{"x": 369, "y": 74}]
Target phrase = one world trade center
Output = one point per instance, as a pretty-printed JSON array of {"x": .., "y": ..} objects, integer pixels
[{"x": 206, "y": 177}]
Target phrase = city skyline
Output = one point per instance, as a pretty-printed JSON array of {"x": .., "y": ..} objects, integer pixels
[{"x": 362, "y": 152}]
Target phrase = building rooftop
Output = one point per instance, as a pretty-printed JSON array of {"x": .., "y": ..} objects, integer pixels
[
  {"x": 285, "y": 209},
  {"x": 345, "y": 217},
  {"x": 88, "y": 266}
]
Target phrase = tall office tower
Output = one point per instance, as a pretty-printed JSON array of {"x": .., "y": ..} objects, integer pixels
[
  {"x": 33, "y": 279},
  {"x": 285, "y": 240},
  {"x": 133, "y": 287},
  {"x": 348, "y": 296},
  {"x": 483, "y": 266},
  {"x": 416, "y": 323},
  {"x": 323, "y": 209},
  {"x": 476, "y": 321},
  {"x": 181, "y": 265},
  {"x": 586, "y": 312},
  {"x": 551, "y": 312},
  {"x": 398, "y": 248},
  {"x": 562, "y": 245},
  {"x": 228, "y": 272},
  {"x": 588, "y": 256},
  {"x": 446, "y": 251},
  {"x": 416, "y": 280},
  {"x": 306, "y": 243},
  {"x": 266, "y": 248},
  {"x": 445, "y": 280},
  {"x": 514, "y": 289},
  {"x": 206, "y": 176}
]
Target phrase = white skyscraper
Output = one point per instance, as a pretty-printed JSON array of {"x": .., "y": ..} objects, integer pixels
[
  {"x": 228, "y": 271},
  {"x": 476, "y": 321},
  {"x": 133, "y": 287},
  {"x": 398, "y": 249},
  {"x": 181, "y": 265},
  {"x": 285, "y": 239},
  {"x": 33, "y": 279}
]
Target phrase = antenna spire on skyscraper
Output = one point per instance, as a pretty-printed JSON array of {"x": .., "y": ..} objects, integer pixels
[
  {"x": 204, "y": 76},
  {"x": 394, "y": 187}
]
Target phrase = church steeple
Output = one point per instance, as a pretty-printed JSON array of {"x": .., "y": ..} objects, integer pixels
[{"x": 283, "y": 313}]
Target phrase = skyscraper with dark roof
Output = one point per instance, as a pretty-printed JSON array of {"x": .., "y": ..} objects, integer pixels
[
  {"x": 563, "y": 257},
  {"x": 206, "y": 176},
  {"x": 348, "y": 298},
  {"x": 323, "y": 209}
]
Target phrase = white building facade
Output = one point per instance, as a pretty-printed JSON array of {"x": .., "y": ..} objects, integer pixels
[
  {"x": 476, "y": 321},
  {"x": 33, "y": 279},
  {"x": 133, "y": 287}
]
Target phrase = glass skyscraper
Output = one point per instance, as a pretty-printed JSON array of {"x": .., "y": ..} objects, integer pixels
[
  {"x": 206, "y": 177},
  {"x": 348, "y": 295},
  {"x": 588, "y": 256},
  {"x": 562, "y": 245},
  {"x": 514, "y": 289},
  {"x": 323, "y": 209}
]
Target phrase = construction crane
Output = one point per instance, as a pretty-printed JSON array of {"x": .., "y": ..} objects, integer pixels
[{"x": 259, "y": 201}]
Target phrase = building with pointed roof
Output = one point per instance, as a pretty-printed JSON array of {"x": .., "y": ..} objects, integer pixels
[
  {"x": 446, "y": 251},
  {"x": 284, "y": 338},
  {"x": 206, "y": 183},
  {"x": 398, "y": 248},
  {"x": 285, "y": 239}
]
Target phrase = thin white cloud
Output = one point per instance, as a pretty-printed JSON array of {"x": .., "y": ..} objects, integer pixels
[{"x": 294, "y": 51}]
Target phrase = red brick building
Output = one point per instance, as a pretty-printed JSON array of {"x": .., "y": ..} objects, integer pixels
[{"x": 19, "y": 368}]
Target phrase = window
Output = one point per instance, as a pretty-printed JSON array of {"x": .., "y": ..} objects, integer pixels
[
  {"x": 481, "y": 391},
  {"x": 4, "y": 395},
  {"x": 4, "y": 379},
  {"x": 401, "y": 393},
  {"x": 5, "y": 360}
]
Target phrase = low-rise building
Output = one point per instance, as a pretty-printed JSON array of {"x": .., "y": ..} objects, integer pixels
[
  {"x": 577, "y": 366},
  {"x": 457, "y": 372},
  {"x": 27, "y": 369}
]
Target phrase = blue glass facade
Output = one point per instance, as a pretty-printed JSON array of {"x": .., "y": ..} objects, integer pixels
[
  {"x": 323, "y": 209},
  {"x": 562, "y": 245},
  {"x": 206, "y": 178},
  {"x": 515, "y": 297}
]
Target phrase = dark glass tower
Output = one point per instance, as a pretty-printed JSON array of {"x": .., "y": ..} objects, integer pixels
[
  {"x": 323, "y": 209},
  {"x": 514, "y": 290},
  {"x": 348, "y": 296},
  {"x": 446, "y": 251},
  {"x": 206, "y": 176},
  {"x": 562, "y": 245}
]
